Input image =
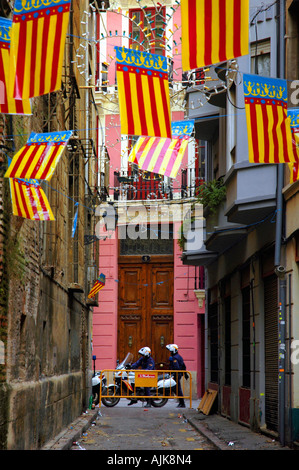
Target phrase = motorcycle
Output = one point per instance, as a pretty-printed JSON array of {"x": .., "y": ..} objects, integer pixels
[
  {"x": 96, "y": 383},
  {"x": 124, "y": 384}
]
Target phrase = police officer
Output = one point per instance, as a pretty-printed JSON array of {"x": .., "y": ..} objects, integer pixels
[
  {"x": 146, "y": 362},
  {"x": 177, "y": 363}
]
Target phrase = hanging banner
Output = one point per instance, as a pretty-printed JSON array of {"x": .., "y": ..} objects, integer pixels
[
  {"x": 180, "y": 128},
  {"x": 99, "y": 284},
  {"x": 213, "y": 31},
  {"x": 8, "y": 105},
  {"x": 38, "y": 158},
  {"x": 293, "y": 113},
  {"x": 143, "y": 90},
  {"x": 163, "y": 156},
  {"x": 75, "y": 221},
  {"x": 37, "y": 47},
  {"x": 29, "y": 201},
  {"x": 268, "y": 125}
]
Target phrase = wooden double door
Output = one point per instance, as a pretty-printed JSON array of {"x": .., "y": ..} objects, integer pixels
[{"x": 145, "y": 306}]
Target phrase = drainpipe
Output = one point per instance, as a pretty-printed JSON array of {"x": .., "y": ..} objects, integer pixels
[{"x": 279, "y": 269}]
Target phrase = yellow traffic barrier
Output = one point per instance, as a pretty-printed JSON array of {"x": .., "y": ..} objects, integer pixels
[{"x": 130, "y": 384}]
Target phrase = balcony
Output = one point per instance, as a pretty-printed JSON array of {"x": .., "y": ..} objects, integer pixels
[
  {"x": 195, "y": 252},
  {"x": 251, "y": 192},
  {"x": 220, "y": 233}
]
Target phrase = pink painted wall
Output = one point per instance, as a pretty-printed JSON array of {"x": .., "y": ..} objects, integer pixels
[
  {"x": 105, "y": 315},
  {"x": 113, "y": 144},
  {"x": 177, "y": 48},
  {"x": 114, "y": 27}
]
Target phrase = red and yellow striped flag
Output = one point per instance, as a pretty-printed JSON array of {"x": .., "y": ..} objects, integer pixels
[
  {"x": 293, "y": 113},
  {"x": 38, "y": 158},
  {"x": 8, "y": 105},
  {"x": 29, "y": 201},
  {"x": 143, "y": 90},
  {"x": 159, "y": 155},
  {"x": 98, "y": 285},
  {"x": 213, "y": 31},
  {"x": 268, "y": 125},
  {"x": 37, "y": 47}
]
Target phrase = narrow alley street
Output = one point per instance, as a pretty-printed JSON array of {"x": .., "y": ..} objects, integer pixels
[{"x": 137, "y": 428}]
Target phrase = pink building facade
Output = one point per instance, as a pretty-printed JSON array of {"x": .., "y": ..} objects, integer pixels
[{"x": 187, "y": 331}]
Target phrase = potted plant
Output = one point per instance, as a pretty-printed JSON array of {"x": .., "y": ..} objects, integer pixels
[{"x": 211, "y": 194}]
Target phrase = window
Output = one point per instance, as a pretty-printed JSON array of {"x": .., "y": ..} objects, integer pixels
[
  {"x": 147, "y": 30},
  {"x": 261, "y": 58},
  {"x": 153, "y": 239}
]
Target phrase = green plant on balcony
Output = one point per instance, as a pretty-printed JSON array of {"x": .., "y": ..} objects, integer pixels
[{"x": 211, "y": 194}]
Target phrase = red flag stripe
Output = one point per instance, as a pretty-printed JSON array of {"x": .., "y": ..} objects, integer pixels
[
  {"x": 253, "y": 123},
  {"x": 130, "y": 119},
  {"x": 141, "y": 103},
  {"x": 222, "y": 30},
  {"x": 20, "y": 65},
  {"x": 165, "y": 106},
  {"x": 57, "y": 42},
  {"x": 3, "y": 96},
  {"x": 33, "y": 56},
  {"x": 274, "y": 133},
  {"x": 192, "y": 19},
  {"x": 265, "y": 157},
  {"x": 44, "y": 53},
  {"x": 208, "y": 31},
  {"x": 237, "y": 28}
]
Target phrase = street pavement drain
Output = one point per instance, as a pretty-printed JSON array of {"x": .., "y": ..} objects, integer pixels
[{"x": 141, "y": 429}]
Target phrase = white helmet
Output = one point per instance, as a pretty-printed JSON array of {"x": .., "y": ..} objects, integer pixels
[
  {"x": 173, "y": 348},
  {"x": 145, "y": 351}
]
